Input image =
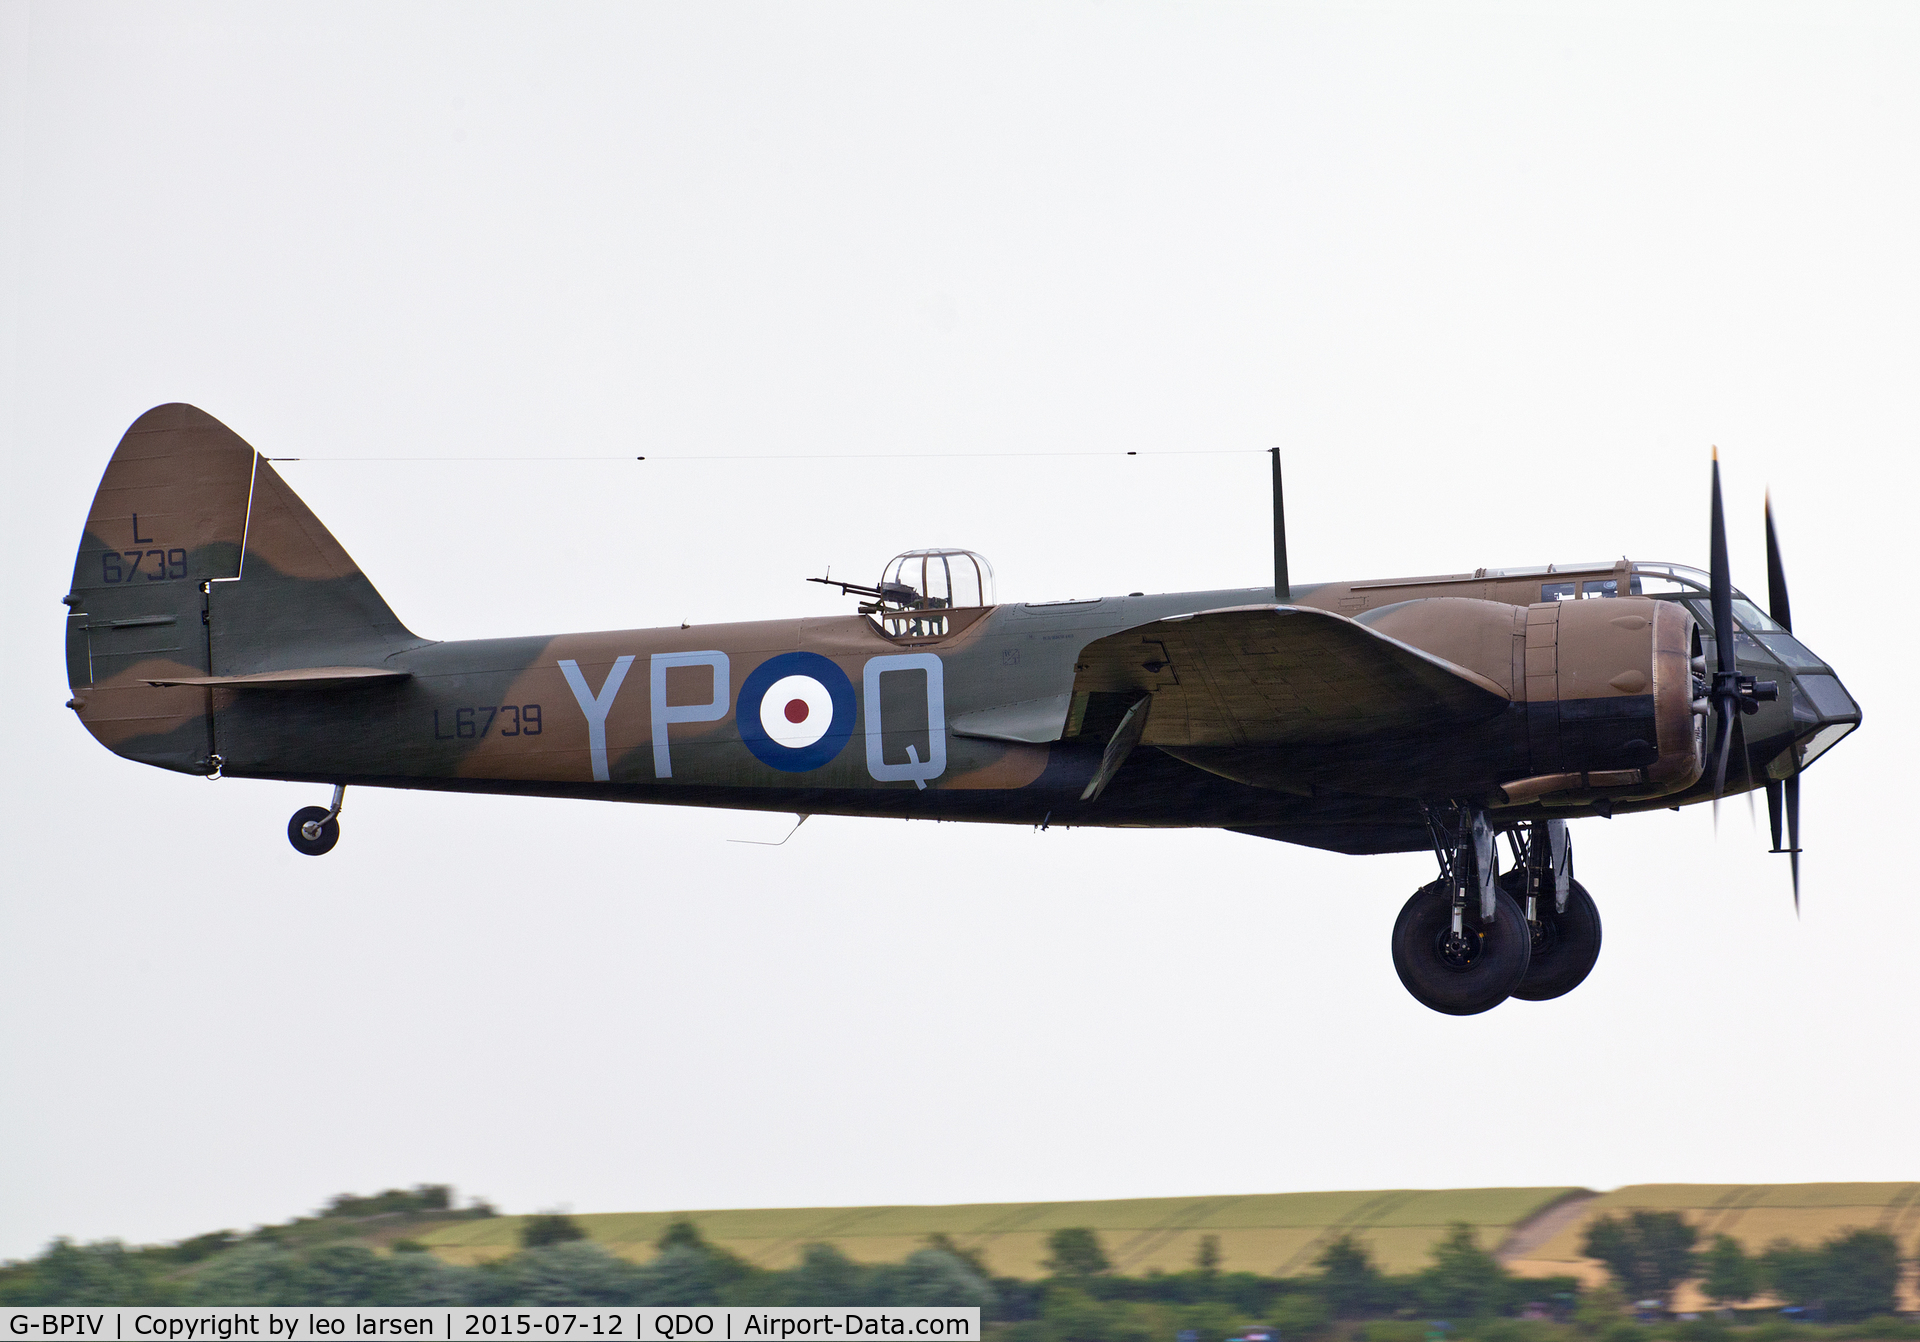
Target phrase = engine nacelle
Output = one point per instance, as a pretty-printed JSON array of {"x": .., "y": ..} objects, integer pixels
[{"x": 1606, "y": 687}]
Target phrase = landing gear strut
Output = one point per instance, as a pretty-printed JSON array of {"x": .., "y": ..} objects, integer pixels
[
  {"x": 316, "y": 829},
  {"x": 1461, "y": 945},
  {"x": 1559, "y": 911}
]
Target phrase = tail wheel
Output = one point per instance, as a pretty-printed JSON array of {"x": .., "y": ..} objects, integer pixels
[
  {"x": 1565, "y": 944},
  {"x": 1462, "y": 977},
  {"x": 313, "y": 830}
]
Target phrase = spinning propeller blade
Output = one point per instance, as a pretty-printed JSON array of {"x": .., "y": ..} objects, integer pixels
[
  {"x": 1782, "y": 795},
  {"x": 1777, "y": 604},
  {"x": 1788, "y": 789},
  {"x": 1791, "y": 787},
  {"x": 1725, "y": 703}
]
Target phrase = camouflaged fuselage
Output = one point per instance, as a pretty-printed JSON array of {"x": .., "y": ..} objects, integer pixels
[{"x": 217, "y": 625}]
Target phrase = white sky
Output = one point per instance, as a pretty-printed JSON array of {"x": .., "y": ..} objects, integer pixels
[{"x": 1495, "y": 276}]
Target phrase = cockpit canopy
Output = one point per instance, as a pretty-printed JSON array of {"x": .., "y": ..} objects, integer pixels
[{"x": 936, "y": 580}]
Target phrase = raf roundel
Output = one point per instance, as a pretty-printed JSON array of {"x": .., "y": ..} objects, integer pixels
[{"x": 796, "y": 711}]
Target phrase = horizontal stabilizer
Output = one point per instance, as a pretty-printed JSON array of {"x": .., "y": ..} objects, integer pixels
[
  {"x": 1255, "y": 675},
  {"x": 298, "y": 677}
]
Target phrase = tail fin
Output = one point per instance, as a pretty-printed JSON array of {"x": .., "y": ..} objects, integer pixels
[{"x": 198, "y": 560}]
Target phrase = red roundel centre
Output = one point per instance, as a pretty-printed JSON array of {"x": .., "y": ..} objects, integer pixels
[{"x": 796, "y": 710}]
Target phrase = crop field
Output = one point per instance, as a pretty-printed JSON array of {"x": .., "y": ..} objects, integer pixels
[
  {"x": 1754, "y": 1214},
  {"x": 1274, "y": 1233}
]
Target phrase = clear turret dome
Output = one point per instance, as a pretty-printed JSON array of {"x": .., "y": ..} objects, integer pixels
[{"x": 937, "y": 580}]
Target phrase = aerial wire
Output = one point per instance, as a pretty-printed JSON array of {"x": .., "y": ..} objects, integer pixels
[{"x": 805, "y": 456}]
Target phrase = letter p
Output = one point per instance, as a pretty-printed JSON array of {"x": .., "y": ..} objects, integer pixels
[{"x": 663, "y": 715}]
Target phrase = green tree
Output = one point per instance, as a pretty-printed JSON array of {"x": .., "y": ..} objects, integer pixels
[
  {"x": 86, "y": 1274},
  {"x": 422, "y": 1279},
  {"x": 1297, "y": 1316},
  {"x": 824, "y": 1276},
  {"x": 1350, "y": 1281},
  {"x": 1861, "y": 1269},
  {"x": 682, "y": 1234},
  {"x": 934, "y": 1277},
  {"x": 1070, "y": 1315},
  {"x": 1076, "y": 1252},
  {"x": 1793, "y": 1272},
  {"x": 548, "y": 1228},
  {"x": 1648, "y": 1253},
  {"x": 1730, "y": 1273},
  {"x": 973, "y": 1258},
  {"x": 1465, "y": 1280},
  {"x": 1207, "y": 1256},
  {"x": 202, "y": 1246},
  {"x": 1599, "y": 1309},
  {"x": 346, "y": 1274},
  {"x": 259, "y": 1273},
  {"x": 576, "y": 1272}
]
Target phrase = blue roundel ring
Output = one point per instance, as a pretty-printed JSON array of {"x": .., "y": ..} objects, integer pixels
[{"x": 795, "y": 759}]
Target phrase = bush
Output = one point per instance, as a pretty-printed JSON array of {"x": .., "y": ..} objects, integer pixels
[
  {"x": 934, "y": 1277},
  {"x": 260, "y": 1273},
  {"x": 1071, "y": 1315},
  {"x": 1465, "y": 1280},
  {"x": 422, "y": 1198},
  {"x": 106, "y": 1273},
  {"x": 1076, "y": 1252},
  {"x": 1349, "y": 1281},
  {"x": 1299, "y": 1316},
  {"x": 571, "y": 1273},
  {"x": 538, "y": 1232},
  {"x": 1390, "y": 1330},
  {"x": 683, "y": 1276}
]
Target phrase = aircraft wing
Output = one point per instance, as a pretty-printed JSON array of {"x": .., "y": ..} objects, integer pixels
[{"x": 1253, "y": 675}]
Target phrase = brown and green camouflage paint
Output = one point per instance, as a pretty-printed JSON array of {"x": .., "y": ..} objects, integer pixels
[{"x": 1326, "y": 724}]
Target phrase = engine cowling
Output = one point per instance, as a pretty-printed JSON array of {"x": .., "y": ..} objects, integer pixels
[{"x": 1606, "y": 687}]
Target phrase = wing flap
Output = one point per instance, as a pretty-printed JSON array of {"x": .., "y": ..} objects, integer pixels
[{"x": 1255, "y": 675}]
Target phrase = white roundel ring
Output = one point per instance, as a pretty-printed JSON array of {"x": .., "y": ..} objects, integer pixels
[{"x": 796, "y": 711}]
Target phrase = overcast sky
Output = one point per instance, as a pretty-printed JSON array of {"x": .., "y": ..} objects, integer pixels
[{"x": 1495, "y": 277}]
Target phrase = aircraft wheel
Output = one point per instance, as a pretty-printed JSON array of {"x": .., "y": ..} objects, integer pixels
[
  {"x": 324, "y": 835},
  {"x": 1564, "y": 948},
  {"x": 1461, "y": 980}
]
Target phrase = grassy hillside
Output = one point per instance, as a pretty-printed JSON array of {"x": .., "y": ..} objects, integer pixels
[{"x": 1275, "y": 1233}]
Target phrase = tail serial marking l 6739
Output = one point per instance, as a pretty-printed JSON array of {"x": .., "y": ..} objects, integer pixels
[{"x": 216, "y": 627}]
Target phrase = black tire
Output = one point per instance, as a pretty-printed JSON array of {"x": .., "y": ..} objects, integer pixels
[
  {"x": 1460, "y": 985},
  {"x": 1565, "y": 947},
  {"x": 329, "y": 831}
]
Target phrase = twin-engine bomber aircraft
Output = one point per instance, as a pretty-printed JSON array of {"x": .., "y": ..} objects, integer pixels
[{"x": 216, "y": 627}]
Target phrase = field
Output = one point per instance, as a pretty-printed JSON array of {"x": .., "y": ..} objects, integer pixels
[
  {"x": 1754, "y": 1214},
  {"x": 1535, "y": 1231},
  {"x": 1275, "y": 1233}
]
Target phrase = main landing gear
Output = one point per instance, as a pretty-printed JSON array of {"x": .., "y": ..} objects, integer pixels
[
  {"x": 316, "y": 829},
  {"x": 1473, "y": 938}
]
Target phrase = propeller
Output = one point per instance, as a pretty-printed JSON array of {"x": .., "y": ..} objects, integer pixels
[
  {"x": 1724, "y": 691},
  {"x": 1733, "y": 695},
  {"x": 1782, "y": 795}
]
